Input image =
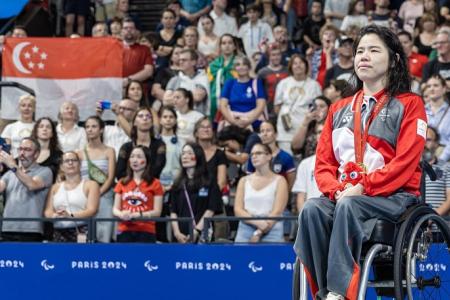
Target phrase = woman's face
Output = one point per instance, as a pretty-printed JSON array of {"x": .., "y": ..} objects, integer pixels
[
  {"x": 168, "y": 20},
  {"x": 134, "y": 92},
  {"x": 242, "y": 69},
  {"x": 137, "y": 160},
  {"x": 359, "y": 7},
  {"x": 267, "y": 133},
  {"x": 175, "y": 58},
  {"x": 207, "y": 25},
  {"x": 188, "y": 159},
  {"x": 44, "y": 130},
  {"x": 115, "y": 28},
  {"x": 322, "y": 109},
  {"x": 259, "y": 156},
  {"x": 298, "y": 67},
  {"x": 227, "y": 46},
  {"x": 70, "y": 163},
  {"x": 180, "y": 101},
  {"x": 372, "y": 60},
  {"x": 429, "y": 26},
  {"x": 429, "y": 5},
  {"x": 168, "y": 120},
  {"x": 435, "y": 89},
  {"x": 92, "y": 128},
  {"x": 26, "y": 108},
  {"x": 68, "y": 111},
  {"x": 143, "y": 120},
  {"x": 205, "y": 131}
]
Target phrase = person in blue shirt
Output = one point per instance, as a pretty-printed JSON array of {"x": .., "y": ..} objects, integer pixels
[{"x": 243, "y": 99}]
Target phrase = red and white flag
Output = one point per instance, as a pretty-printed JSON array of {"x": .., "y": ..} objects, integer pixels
[{"x": 81, "y": 70}]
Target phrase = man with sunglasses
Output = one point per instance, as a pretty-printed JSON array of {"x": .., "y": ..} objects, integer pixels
[{"x": 26, "y": 186}]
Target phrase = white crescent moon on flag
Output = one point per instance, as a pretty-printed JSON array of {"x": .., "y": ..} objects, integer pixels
[{"x": 16, "y": 57}]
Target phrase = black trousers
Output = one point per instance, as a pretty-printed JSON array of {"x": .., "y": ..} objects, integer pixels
[{"x": 136, "y": 237}]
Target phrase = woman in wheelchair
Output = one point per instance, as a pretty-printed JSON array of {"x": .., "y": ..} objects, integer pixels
[{"x": 379, "y": 133}]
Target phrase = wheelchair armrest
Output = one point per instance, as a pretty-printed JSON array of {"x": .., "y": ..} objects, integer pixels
[{"x": 428, "y": 169}]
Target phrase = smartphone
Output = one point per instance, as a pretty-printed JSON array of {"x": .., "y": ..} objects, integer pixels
[
  {"x": 105, "y": 104},
  {"x": 5, "y": 146}
]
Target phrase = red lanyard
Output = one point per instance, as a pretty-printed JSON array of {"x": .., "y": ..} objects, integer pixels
[{"x": 361, "y": 138}]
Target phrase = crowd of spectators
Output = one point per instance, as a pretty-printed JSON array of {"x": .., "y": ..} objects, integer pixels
[{"x": 223, "y": 104}]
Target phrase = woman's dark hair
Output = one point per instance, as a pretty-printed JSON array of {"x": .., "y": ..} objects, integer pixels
[
  {"x": 53, "y": 145},
  {"x": 143, "y": 101},
  {"x": 324, "y": 99},
  {"x": 271, "y": 123},
  {"x": 147, "y": 175},
  {"x": 201, "y": 176},
  {"x": 302, "y": 58},
  {"x": 207, "y": 16},
  {"x": 352, "y": 6},
  {"x": 171, "y": 11},
  {"x": 187, "y": 94},
  {"x": 236, "y": 46},
  {"x": 100, "y": 123},
  {"x": 134, "y": 131},
  {"x": 398, "y": 78},
  {"x": 174, "y": 113},
  {"x": 234, "y": 132}
]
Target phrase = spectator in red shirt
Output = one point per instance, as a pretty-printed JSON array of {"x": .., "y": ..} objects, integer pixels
[
  {"x": 137, "y": 59},
  {"x": 138, "y": 195},
  {"x": 416, "y": 61}
]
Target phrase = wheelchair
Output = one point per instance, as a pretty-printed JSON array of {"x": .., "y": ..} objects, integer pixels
[{"x": 410, "y": 259}]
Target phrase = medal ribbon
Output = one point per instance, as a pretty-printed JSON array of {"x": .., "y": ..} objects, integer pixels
[{"x": 361, "y": 137}]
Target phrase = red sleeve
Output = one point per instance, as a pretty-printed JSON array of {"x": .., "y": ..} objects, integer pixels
[
  {"x": 402, "y": 171},
  {"x": 118, "y": 188},
  {"x": 148, "y": 57},
  {"x": 326, "y": 169},
  {"x": 157, "y": 187}
]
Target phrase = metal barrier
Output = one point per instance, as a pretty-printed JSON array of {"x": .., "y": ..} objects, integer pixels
[{"x": 92, "y": 222}]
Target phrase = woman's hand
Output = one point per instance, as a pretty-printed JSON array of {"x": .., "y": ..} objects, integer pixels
[
  {"x": 256, "y": 237},
  {"x": 125, "y": 215},
  {"x": 262, "y": 225},
  {"x": 61, "y": 213},
  {"x": 181, "y": 238}
]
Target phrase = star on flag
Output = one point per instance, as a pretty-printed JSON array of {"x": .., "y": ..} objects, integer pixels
[{"x": 35, "y": 58}]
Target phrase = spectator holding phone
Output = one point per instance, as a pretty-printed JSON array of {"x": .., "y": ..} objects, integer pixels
[
  {"x": 304, "y": 140},
  {"x": 293, "y": 96}
]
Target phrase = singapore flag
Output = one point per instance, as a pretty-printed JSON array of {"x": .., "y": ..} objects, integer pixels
[{"x": 81, "y": 70}]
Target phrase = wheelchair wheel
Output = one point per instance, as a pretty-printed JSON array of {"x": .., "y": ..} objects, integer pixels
[
  {"x": 427, "y": 259},
  {"x": 401, "y": 244}
]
